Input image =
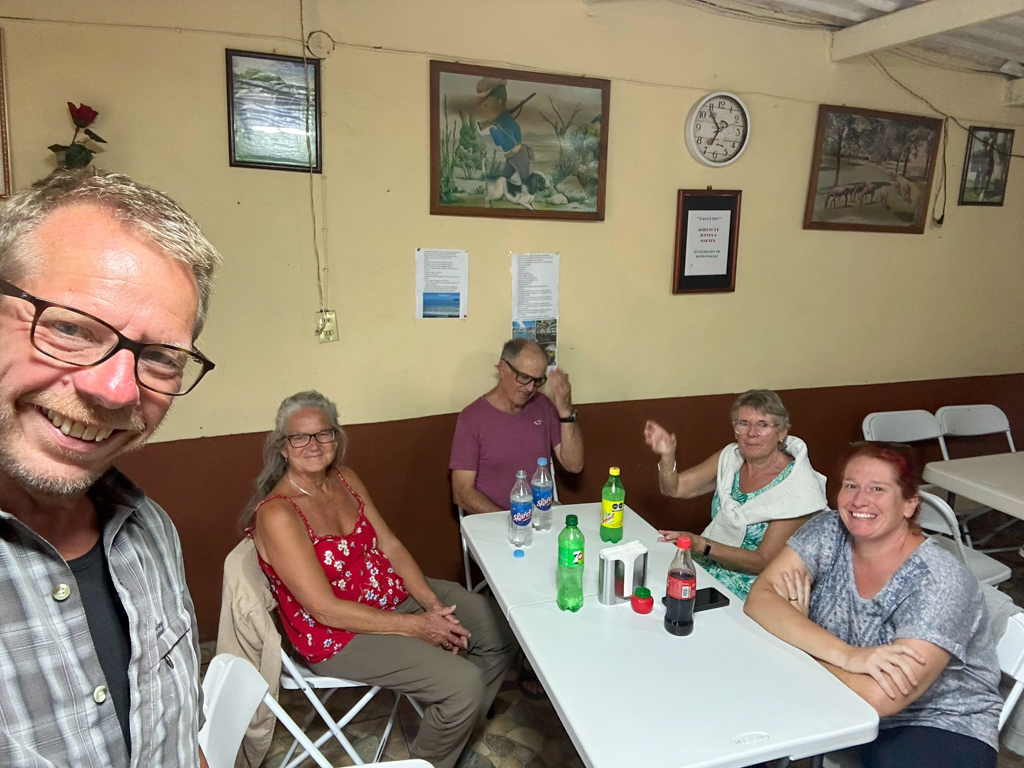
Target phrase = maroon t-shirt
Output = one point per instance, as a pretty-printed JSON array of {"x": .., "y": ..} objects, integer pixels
[{"x": 496, "y": 445}]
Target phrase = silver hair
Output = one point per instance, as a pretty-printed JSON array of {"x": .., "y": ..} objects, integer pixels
[
  {"x": 274, "y": 463},
  {"x": 144, "y": 212},
  {"x": 513, "y": 347},
  {"x": 763, "y": 401}
]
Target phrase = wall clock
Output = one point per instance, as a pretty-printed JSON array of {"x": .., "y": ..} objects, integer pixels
[{"x": 718, "y": 129}]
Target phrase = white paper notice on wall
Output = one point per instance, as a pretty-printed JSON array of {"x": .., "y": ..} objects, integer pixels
[
  {"x": 535, "y": 300},
  {"x": 442, "y": 283},
  {"x": 707, "y": 243}
]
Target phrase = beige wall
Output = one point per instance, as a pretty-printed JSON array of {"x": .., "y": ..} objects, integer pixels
[{"x": 810, "y": 308}]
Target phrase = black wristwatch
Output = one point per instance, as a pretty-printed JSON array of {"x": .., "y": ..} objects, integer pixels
[
  {"x": 707, "y": 548},
  {"x": 570, "y": 419}
]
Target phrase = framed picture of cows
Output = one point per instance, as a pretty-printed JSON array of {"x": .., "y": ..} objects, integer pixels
[
  {"x": 871, "y": 171},
  {"x": 514, "y": 144}
]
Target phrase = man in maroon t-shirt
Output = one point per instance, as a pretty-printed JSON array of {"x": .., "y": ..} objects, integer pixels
[{"x": 511, "y": 427}]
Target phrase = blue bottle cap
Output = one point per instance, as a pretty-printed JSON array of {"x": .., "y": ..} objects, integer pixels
[
  {"x": 542, "y": 462},
  {"x": 519, "y": 553}
]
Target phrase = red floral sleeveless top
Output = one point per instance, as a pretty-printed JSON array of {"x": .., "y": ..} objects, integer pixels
[{"x": 357, "y": 571}]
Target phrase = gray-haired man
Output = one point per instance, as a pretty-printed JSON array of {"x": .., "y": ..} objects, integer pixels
[{"x": 104, "y": 286}]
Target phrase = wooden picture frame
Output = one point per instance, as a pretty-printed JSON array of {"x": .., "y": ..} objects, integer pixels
[
  {"x": 705, "y": 255},
  {"x": 6, "y": 180},
  {"x": 490, "y": 126},
  {"x": 269, "y": 120},
  {"x": 986, "y": 166},
  {"x": 872, "y": 171}
]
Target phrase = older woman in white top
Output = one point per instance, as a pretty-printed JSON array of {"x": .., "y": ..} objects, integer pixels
[{"x": 764, "y": 490}]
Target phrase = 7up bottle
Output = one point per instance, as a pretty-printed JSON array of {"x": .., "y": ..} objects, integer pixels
[
  {"x": 570, "y": 566},
  {"x": 613, "y": 500}
]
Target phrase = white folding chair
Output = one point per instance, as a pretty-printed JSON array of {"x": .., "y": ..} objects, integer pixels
[
  {"x": 987, "y": 569},
  {"x": 295, "y": 676},
  {"x": 909, "y": 427},
  {"x": 972, "y": 421},
  {"x": 467, "y": 560},
  {"x": 232, "y": 691}
]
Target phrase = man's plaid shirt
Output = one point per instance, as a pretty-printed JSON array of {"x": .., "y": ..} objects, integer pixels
[{"x": 52, "y": 712}]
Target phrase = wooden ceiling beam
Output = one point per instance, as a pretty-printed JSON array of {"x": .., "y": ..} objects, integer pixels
[{"x": 917, "y": 23}]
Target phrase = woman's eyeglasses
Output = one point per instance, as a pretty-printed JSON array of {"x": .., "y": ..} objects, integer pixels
[{"x": 301, "y": 439}]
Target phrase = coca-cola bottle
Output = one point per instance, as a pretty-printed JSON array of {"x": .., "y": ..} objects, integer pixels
[{"x": 681, "y": 591}]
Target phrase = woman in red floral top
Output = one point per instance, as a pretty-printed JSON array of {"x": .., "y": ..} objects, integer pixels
[{"x": 353, "y": 601}]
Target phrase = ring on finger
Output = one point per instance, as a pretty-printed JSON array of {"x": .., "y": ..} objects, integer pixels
[{"x": 793, "y": 599}]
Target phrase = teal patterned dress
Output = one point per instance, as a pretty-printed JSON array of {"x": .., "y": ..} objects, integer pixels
[{"x": 735, "y": 581}]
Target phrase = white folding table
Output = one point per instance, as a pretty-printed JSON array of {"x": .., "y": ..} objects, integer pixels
[
  {"x": 995, "y": 480},
  {"x": 631, "y": 695}
]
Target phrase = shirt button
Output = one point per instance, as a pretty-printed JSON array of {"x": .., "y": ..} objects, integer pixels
[
  {"x": 100, "y": 694},
  {"x": 61, "y": 592}
]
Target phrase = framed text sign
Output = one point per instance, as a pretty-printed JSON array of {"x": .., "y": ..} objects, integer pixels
[{"x": 707, "y": 238}]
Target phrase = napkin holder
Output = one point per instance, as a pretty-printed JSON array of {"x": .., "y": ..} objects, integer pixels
[{"x": 623, "y": 569}]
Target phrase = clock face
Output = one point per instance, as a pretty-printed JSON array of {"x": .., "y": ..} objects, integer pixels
[{"x": 717, "y": 129}]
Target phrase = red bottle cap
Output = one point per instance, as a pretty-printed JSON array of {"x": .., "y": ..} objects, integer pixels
[{"x": 683, "y": 542}]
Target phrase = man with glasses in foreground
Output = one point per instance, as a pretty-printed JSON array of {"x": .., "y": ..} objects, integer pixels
[
  {"x": 104, "y": 287},
  {"x": 512, "y": 426}
]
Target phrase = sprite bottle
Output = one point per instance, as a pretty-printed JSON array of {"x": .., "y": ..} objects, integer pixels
[
  {"x": 570, "y": 566},
  {"x": 613, "y": 500}
]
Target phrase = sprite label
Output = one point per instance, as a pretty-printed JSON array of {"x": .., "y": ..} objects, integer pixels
[
  {"x": 611, "y": 513},
  {"x": 569, "y": 556}
]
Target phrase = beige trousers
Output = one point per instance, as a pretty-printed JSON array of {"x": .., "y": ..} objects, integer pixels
[{"x": 455, "y": 691}]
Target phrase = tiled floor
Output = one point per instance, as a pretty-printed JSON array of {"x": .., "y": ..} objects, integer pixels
[{"x": 527, "y": 733}]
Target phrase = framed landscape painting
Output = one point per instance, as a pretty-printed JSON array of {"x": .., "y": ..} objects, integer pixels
[
  {"x": 986, "y": 166},
  {"x": 515, "y": 144},
  {"x": 273, "y": 111},
  {"x": 872, "y": 171}
]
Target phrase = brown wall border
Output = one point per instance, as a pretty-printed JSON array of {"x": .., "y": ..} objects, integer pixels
[{"x": 204, "y": 482}]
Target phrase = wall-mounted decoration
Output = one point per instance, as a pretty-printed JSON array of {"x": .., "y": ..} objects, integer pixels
[
  {"x": 707, "y": 239},
  {"x": 986, "y": 166},
  {"x": 718, "y": 129},
  {"x": 872, "y": 171},
  {"x": 517, "y": 144},
  {"x": 78, "y": 153},
  {"x": 273, "y": 111},
  {"x": 6, "y": 183}
]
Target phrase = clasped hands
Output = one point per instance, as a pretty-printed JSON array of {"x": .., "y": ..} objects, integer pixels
[
  {"x": 888, "y": 665},
  {"x": 438, "y": 626}
]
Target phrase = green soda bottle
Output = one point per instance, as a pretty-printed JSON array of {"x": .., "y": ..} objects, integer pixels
[
  {"x": 570, "y": 566},
  {"x": 613, "y": 499}
]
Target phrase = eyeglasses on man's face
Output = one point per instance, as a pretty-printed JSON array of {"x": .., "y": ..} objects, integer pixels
[
  {"x": 525, "y": 378},
  {"x": 301, "y": 439},
  {"x": 74, "y": 337},
  {"x": 761, "y": 427}
]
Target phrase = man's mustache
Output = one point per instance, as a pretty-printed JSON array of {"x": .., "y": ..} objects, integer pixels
[{"x": 128, "y": 418}]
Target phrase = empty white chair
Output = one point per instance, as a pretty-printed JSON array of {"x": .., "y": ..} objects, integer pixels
[
  {"x": 232, "y": 690},
  {"x": 909, "y": 427},
  {"x": 295, "y": 676},
  {"x": 987, "y": 569},
  {"x": 972, "y": 421}
]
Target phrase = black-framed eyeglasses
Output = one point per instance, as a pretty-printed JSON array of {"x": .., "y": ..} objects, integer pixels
[
  {"x": 525, "y": 378},
  {"x": 72, "y": 336},
  {"x": 301, "y": 439}
]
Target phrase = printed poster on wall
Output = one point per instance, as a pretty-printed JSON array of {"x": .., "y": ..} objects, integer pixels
[
  {"x": 535, "y": 301},
  {"x": 707, "y": 243},
  {"x": 442, "y": 283}
]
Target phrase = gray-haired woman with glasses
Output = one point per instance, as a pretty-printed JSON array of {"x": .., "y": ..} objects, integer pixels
[
  {"x": 353, "y": 601},
  {"x": 764, "y": 486}
]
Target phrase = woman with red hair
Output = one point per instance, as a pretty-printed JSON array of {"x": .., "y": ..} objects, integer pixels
[{"x": 893, "y": 615}]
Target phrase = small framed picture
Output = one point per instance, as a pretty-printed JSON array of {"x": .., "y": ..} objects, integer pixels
[
  {"x": 986, "y": 166},
  {"x": 514, "y": 144},
  {"x": 273, "y": 111},
  {"x": 6, "y": 185},
  {"x": 707, "y": 239}
]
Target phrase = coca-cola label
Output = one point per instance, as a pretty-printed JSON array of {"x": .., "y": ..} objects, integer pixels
[
  {"x": 522, "y": 512},
  {"x": 682, "y": 589},
  {"x": 542, "y": 498},
  {"x": 570, "y": 556}
]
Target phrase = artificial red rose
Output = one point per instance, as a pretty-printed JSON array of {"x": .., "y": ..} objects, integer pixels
[{"x": 82, "y": 115}]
